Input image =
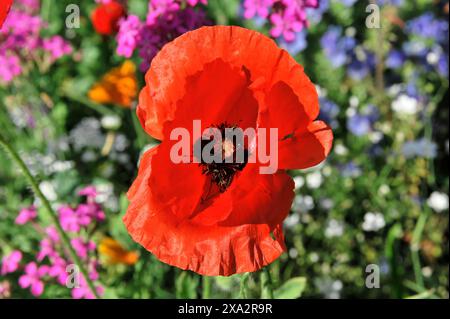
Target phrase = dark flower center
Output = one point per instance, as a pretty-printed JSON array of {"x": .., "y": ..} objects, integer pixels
[{"x": 232, "y": 158}]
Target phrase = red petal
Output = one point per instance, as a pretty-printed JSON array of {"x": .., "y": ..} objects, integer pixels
[
  {"x": 306, "y": 148},
  {"x": 241, "y": 243},
  {"x": 217, "y": 94},
  {"x": 5, "y": 5},
  {"x": 265, "y": 62}
]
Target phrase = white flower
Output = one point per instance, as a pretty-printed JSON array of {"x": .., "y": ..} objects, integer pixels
[
  {"x": 293, "y": 253},
  {"x": 384, "y": 190},
  {"x": 354, "y": 101},
  {"x": 329, "y": 288},
  {"x": 303, "y": 203},
  {"x": 299, "y": 182},
  {"x": 438, "y": 201},
  {"x": 373, "y": 222},
  {"x": 340, "y": 149},
  {"x": 405, "y": 104},
  {"x": 48, "y": 190},
  {"x": 433, "y": 58},
  {"x": 111, "y": 122},
  {"x": 334, "y": 228},
  {"x": 291, "y": 220},
  {"x": 314, "y": 180}
]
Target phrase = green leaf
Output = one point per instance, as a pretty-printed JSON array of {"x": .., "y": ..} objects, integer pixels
[{"x": 291, "y": 289}]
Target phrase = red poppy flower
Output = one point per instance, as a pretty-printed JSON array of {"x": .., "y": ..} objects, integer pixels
[
  {"x": 106, "y": 16},
  {"x": 224, "y": 220},
  {"x": 5, "y": 5}
]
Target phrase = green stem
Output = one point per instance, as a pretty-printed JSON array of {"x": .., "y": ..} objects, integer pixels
[
  {"x": 34, "y": 185},
  {"x": 206, "y": 287},
  {"x": 266, "y": 284},
  {"x": 415, "y": 248},
  {"x": 141, "y": 136},
  {"x": 243, "y": 286}
]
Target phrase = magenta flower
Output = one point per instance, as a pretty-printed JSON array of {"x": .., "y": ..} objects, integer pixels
[
  {"x": 88, "y": 212},
  {"x": 20, "y": 39},
  {"x": 81, "y": 247},
  {"x": 10, "y": 67},
  {"x": 47, "y": 249},
  {"x": 165, "y": 21},
  {"x": 157, "y": 8},
  {"x": 89, "y": 191},
  {"x": 193, "y": 3},
  {"x": 286, "y": 25},
  {"x": 257, "y": 7},
  {"x": 58, "y": 270},
  {"x": 83, "y": 291},
  {"x": 26, "y": 215},
  {"x": 56, "y": 46},
  {"x": 72, "y": 220},
  {"x": 32, "y": 278},
  {"x": 10, "y": 263},
  {"x": 128, "y": 36},
  {"x": 52, "y": 234}
]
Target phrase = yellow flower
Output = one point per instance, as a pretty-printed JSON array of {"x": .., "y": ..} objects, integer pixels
[
  {"x": 115, "y": 253},
  {"x": 118, "y": 86}
]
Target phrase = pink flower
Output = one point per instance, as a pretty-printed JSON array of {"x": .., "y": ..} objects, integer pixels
[
  {"x": 257, "y": 7},
  {"x": 88, "y": 212},
  {"x": 5, "y": 289},
  {"x": 58, "y": 270},
  {"x": 10, "y": 263},
  {"x": 32, "y": 278},
  {"x": 286, "y": 25},
  {"x": 193, "y": 3},
  {"x": 10, "y": 67},
  {"x": 71, "y": 220},
  {"x": 128, "y": 35},
  {"x": 84, "y": 292},
  {"x": 46, "y": 249},
  {"x": 81, "y": 247},
  {"x": 89, "y": 191},
  {"x": 26, "y": 215},
  {"x": 52, "y": 234},
  {"x": 157, "y": 8},
  {"x": 56, "y": 46}
]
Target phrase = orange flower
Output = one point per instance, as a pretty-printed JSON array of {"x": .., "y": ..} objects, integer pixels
[
  {"x": 118, "y": 86},
  {"x": 116, "y": 253}
]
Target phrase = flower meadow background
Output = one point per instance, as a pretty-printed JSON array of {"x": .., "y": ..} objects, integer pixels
[{"x": 68, "y": 96}]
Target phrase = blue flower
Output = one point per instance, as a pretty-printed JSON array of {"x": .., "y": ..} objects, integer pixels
[
  {"x": 296, "y": 46},
  {"x": 359, "y": 69},
  {"x": 315, "y": 14},
  {"x": 442, "y": 65},
  {"x": 395, "y": 3},
  {"x": 395, "y": 59},
  {"x": 348, "y": 3},
  {"x": 361, "y": 124},
  {"x": 329, "y": 112},
  {"x": 420, "y": 148},
  {"x": 351, "y": 169},
  {"x": 336, "y": 47},
  {"x": 428, "y": 27}
]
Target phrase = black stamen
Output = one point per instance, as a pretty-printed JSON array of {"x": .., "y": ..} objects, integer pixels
[{"x": 222, "y": 173}]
